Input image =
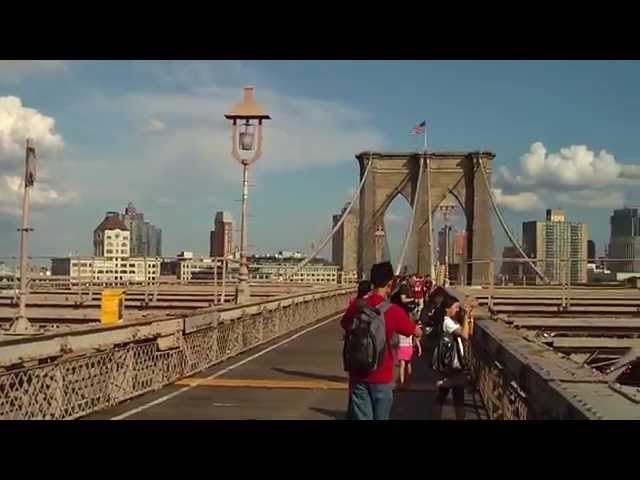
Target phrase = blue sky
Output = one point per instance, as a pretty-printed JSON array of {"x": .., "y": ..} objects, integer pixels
[{"x": 154, "y": 133}]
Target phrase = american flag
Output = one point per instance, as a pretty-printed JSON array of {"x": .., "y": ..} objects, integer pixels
[{"x": 419, "y": 129}]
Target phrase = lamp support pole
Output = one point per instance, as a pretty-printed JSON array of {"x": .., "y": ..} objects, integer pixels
[
  {"x": 242, "y": 291},
  {"x": 21, "y": 324}
]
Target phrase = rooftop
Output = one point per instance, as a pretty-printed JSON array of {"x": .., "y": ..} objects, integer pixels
[
  {"x": 111, "y": 222},
  {"x": 223, "y": 217}
]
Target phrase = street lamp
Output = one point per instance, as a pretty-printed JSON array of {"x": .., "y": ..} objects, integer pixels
[
  {"x": 379, "y": 236},
  {"x": 246, "y": 123}
]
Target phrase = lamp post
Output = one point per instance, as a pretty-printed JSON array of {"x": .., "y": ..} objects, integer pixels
[
  {"x": 250, "y": 117},
  {"x": 21, "y": 323},
  {"x": 379, "y": 236}
]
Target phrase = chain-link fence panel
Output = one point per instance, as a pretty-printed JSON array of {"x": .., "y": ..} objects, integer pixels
[{"x": 72, "y": 387}]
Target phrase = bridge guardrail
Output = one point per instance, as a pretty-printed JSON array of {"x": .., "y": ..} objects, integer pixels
[
  {"x": 71, "y": 374},
  {"x": 560, "y": 269},
  {"x": 520, "y": 379}
]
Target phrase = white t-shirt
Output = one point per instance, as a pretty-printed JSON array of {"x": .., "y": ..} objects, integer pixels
[
  {"x": 404, "y": 341},
  {"x": 448, "y": 327}
]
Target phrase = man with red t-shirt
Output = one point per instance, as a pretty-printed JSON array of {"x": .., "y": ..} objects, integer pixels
[{"x": 371, "y": 395}]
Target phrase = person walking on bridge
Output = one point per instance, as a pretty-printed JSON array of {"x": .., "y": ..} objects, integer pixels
[
  {"x": 404, "y": 346},
  {"x": 364, "y": 289},
  {"x": 418, "y": 291},
  {"x": 431, "y": 318},
  {"x": 369, "y": 330},
  {"x": 428, "y": 287}
]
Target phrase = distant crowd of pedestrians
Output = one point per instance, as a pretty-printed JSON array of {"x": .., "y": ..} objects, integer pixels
[{"x": 391, "y": 322}]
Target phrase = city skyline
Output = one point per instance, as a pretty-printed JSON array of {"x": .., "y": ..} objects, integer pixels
[{"x": 161, "y": 141}]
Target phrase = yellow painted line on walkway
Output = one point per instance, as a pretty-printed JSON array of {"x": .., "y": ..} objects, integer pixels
[
  {"x": 286, "y": 384},
  {"x": 255, "y": 383},
  {"x": 219, "y": 373}
]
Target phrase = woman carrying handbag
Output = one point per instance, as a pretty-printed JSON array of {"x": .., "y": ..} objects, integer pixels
[{"x": 449, "y": 359}]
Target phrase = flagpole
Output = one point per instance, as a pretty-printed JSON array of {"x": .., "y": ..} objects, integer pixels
[
  {"x": 431, "y": 269},
  {"x": 425, "y": 138}
]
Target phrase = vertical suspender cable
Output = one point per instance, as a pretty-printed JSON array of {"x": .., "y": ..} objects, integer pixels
[
  {"x": 504, "y": 224},
  {"x": 416, "y": 199},
  {"x": 337, "y": 226}
]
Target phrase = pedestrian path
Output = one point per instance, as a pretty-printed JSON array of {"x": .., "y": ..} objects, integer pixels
[{"x": 299, "y": 377}]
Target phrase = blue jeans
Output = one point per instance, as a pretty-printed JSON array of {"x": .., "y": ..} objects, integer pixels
[{"x": 370, "y": 401}]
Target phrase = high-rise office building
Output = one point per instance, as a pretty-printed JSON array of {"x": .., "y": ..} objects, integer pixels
[
  {"x": 221, "y": 237},
  {"x": 558, "y": 246},
  {"x": 591, "y": 251},
  {"x": 112, "y": 238},
  {"x": 115, "y": 256},
  {"x": 146, "y": 238},
  {"x": 153, "y": 239},
  {"x": 344, "y": 244},
  {"x": 625, "y": 241}
]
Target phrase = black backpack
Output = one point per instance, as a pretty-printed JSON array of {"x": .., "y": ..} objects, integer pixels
[{"x": 365, "y": 342}]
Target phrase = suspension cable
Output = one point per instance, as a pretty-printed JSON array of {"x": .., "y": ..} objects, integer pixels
[
  {"x": 336, "y": 227},
  {"x": 416, "y": 199},
  {"x": 504, "y": 224}
]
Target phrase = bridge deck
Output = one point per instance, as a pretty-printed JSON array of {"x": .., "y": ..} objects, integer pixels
[{"x": 298, "y": 377}]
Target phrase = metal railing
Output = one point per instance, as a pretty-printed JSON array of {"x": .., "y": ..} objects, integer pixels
[
  {"x": 502, "y": 397},
  {"x": 71, "y": 374},
  {"x": 567, "y": 275},
  {"x": 82, "y": 287},
  {"x": 521, "y": 379}
]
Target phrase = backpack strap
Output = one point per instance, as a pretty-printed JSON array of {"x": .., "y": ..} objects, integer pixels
[{"x": 383, "y": 306}]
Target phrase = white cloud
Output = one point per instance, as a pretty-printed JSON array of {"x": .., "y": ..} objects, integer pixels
[
  {"x": 575, "y": 175},
  {"x": 155, "y": 125},
  {"x": 519, "y": 202},
  {"x": 188, "y": 166},
  {"x": 630, "y": 171},
  {"x": 573, "y": 167},
  {"x": 13, "y": 71},
  {"x": 303, "y": 132},
  {"x": 17, "y": 123},
  {"x": 11, "y": 188}
]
